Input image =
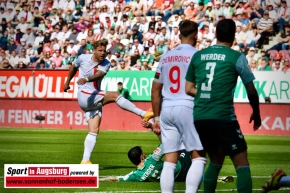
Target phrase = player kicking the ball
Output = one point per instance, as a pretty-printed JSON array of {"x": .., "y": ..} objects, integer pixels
[
  {"x": 92, "y": 69},
  {"x": 176, "y": 121}
]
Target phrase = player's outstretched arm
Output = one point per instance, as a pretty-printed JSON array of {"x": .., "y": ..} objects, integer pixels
[
  {"x": 109, "y": 179},
  {"x": 254, "y": 102},
  {"x": 72, "y": 72}
]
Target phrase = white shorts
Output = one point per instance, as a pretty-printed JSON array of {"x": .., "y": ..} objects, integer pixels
[
  {"x": 91, "y": 102},
  {"x": 177, "y": 128}
]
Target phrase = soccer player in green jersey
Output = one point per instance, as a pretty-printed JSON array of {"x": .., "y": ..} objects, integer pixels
[
  {"x": 211, "y": 78},
  {"x": 149, "y": 168}
]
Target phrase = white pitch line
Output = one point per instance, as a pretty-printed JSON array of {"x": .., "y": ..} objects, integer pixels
[
  {"x": 258, "y": 177},
  {"x": 153, "y": 191}
]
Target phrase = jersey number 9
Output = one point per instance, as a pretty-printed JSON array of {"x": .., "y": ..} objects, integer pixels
[{"x": 174, "y": 77}]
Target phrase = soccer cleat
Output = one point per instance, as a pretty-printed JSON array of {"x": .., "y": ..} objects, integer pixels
[
  {"x": 86, "y": 162},
  {"x": 148, "y": 115},
  {"x": 226, "y": 179},
  {"x": 273, "y": 182}
]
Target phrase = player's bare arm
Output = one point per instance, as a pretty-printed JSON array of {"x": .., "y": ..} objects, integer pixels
[
  {"x": 156, "y": 104},
  {"x": 109, "y": 179},
  {"x": 254, "y": 102},
  {"x": 72, "y": 72},
  {"x": 96, "y": 77},
  {"x": 190, "y": 88}
]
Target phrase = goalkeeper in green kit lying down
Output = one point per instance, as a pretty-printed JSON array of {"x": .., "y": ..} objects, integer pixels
[{"x": 149, "y": 168}]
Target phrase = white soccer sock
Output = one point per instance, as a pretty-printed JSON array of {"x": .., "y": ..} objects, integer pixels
[
  {"x": 194, "y": 174},
  {"x": 127, "y": 105},
  {"x": 284, "y": 181},
  {"x": 90, "y": 143},
  {"x": 167, "y": 177}
]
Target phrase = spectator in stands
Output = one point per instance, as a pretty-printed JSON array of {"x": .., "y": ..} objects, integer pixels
[
  {"x": 166, "y": 9},
  {"x": 276, "y": 66},
  {"x": 272, "y": 12},
  {"x": 240, "y": 37},
  {"x": 123, "y": 26},
  {"x": 13, "y": 59},
  {"x": 24, "y": 60},
  {"x": 283, "y": 40},
  {"x": 120, "y": 51},
  {"x": 82, "y": 35},
  {"x": 113, "y": 65},
  {"x": 218, "y": 10},
  {"x": 4, "y": 40},
  {"x": 73, "y": 57},
  {"x": 77, "y": 16},
  {"x": 5, "y": 65},
  {"x": 3, "y": 55},
  {"x": 136, "y": 35},
  {"x": 146, "y": 57},
  {"x": 32, "y": 54},
  {"x": 174, "y": 39},
  {"x": 253, "y": 65},
  {"x": 134, "y": 60},
  {"x": 21, "y": 46},
  {"x": 123, "y": 66},
  {"x": 65, "y": 61},
  {"x": 149, "y": 35},
  {"x": 264, "y": 65},
  {"x": 257, "y": 13},
  {"x": 73, "y": 36},
  {"x": 286, "y": 65},
  {"x": 251, "y": 37},
  {"x": 57, "y": 59},
  {"x": 265, "y": 28},
  {"x": 228, "y": 11},
  {"x": 160, "y": 50},
  {"x": 152, "y": 22},
  {"x": 29, "y": 36},
  {"x": 252, "y": 55},
  {"x": 191, "y": 11},
  {"x": 283, "y": 15}
]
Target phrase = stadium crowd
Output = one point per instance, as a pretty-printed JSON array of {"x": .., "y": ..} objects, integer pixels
[{"x": 47, "y": 34}]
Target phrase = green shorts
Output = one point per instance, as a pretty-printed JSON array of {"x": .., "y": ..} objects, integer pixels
[
  {"x": 219, "y": 133},
  {"x": 185, "y": 161}
]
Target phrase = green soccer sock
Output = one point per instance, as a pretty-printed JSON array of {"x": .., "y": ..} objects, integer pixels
[
  {"x": 210, "y": 177},
  {"x": 244, "y": 180}
]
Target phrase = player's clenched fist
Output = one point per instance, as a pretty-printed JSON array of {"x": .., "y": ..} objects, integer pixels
[
  {"x": 66, "y": 87},
  {"x": 156, "y": 128}
]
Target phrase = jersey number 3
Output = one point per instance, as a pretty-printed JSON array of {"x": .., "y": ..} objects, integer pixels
[
  {"x": 174, "y": 77},
  {"x": 209, "y": 66}
]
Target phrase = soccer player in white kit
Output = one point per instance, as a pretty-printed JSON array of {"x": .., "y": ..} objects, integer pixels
[
  {"x": 176, "y": 120},
  {"x": 92, "y": 69}
]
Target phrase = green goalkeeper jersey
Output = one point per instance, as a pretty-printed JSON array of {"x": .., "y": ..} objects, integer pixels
[
  {"x": 151, "y": 170},
  {"x": 215, "y": 70}
]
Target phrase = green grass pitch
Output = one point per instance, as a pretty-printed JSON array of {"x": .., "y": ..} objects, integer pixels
[{"x": 41, "y": 146}]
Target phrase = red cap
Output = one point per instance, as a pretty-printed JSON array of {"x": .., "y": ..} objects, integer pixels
[{"x": 278, "y": 56}]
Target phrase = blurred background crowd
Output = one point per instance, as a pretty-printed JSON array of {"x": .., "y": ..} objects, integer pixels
[{"x": 47, "y": 34}]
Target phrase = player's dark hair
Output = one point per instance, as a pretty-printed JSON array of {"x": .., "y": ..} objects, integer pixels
[
  {"x": 102, "y": 42},
  {"x": 120, "y": 83},
  {"x": 226, "y": 30},
  {"x": 134, "y": 155},
  {"x": 188, "y": 28}
]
